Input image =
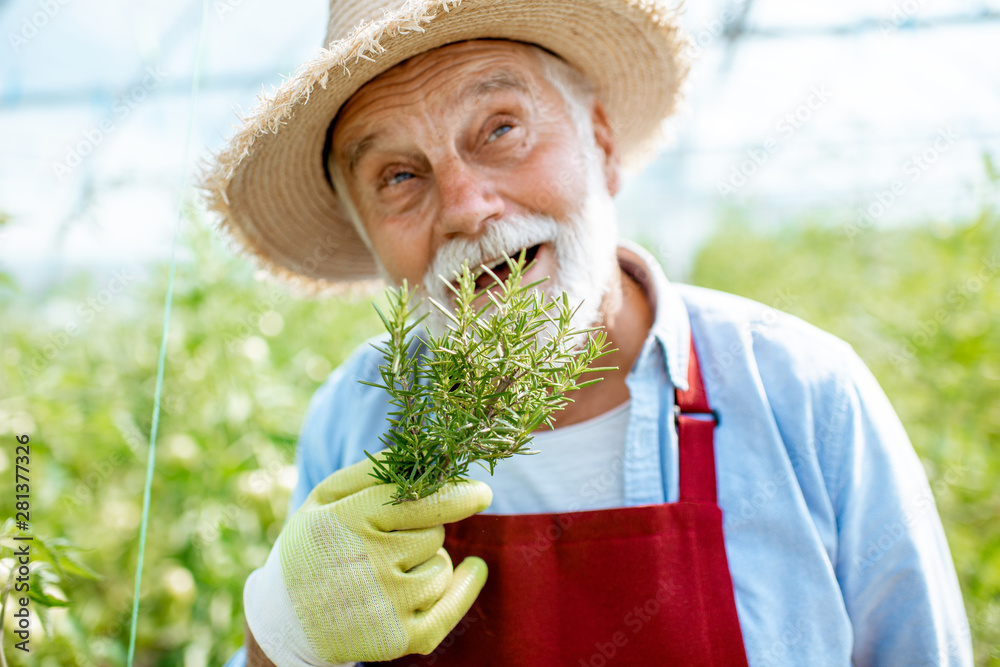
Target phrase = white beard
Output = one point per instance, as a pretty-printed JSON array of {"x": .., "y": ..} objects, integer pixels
[{"x": 584, "y": 248}]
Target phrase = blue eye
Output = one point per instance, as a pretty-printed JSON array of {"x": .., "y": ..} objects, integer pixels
[
  {"x": 398, "y": 178},
  {"x": 500, "y": 131}
]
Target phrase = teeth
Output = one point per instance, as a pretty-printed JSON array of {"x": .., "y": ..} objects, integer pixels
[{"x": 498, "y": 263}]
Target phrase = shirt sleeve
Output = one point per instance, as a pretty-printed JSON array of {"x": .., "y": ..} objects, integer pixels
[
  {"x": 312, "y": 459},
  {"x": 894, "y": 567}
]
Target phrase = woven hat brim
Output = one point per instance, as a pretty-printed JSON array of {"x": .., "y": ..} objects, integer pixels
[{"x": 268, "y": 184}]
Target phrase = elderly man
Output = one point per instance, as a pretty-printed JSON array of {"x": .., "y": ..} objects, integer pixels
[{"x": 437, "y": 133}]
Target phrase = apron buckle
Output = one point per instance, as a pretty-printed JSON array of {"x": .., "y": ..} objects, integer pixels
[{"x": 711, "y": 415}]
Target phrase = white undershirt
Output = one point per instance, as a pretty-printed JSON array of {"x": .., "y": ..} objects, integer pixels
[{"x": 578, "y": 467}]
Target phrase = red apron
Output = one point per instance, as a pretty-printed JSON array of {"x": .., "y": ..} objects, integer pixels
[{"x": 630, "y": 586}]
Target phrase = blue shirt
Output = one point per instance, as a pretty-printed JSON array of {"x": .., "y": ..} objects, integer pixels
[{"x": 834, "y": 543}]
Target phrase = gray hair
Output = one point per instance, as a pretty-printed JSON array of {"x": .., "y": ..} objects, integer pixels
[{"x": 576, "y": 89}]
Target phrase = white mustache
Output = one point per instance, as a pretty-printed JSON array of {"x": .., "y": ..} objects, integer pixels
[{"x": 508, "y": 237}]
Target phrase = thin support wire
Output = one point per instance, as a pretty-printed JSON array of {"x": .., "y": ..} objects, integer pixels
[{"x": 151, "y": 462}]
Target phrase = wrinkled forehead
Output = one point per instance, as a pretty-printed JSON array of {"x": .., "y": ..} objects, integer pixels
[{"x": 499, "y": 63}]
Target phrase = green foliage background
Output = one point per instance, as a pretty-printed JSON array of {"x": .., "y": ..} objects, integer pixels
[
  {"x": 245, "y": 356},
  {"x": 243, "y": 360}
]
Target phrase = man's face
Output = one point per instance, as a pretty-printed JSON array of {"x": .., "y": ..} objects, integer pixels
[{"x": 469, "y": 151}]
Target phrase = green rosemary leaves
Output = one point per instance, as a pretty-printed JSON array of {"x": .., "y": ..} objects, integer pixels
[{"x": 475, "y": 393}]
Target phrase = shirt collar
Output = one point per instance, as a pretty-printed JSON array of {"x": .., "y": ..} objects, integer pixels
[{"x": 671, "y": 329}]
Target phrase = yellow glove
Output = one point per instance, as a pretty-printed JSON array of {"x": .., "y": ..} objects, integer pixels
[{"x": 363, "y": 580}]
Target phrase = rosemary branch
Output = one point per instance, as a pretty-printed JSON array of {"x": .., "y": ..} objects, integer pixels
[{"x": 475, "y": 393}]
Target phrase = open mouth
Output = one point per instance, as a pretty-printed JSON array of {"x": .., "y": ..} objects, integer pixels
[{"x": 485, "y": 280}]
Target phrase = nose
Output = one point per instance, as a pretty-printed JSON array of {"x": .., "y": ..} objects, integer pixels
[{"x": 468, "y": 199}]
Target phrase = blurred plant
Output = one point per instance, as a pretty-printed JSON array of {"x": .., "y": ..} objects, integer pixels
[
  {"x": 244, "y": 357},
  {"x": 53, "y": 565}
]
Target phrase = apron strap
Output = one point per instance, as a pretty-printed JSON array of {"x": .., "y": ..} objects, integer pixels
[{"x": 696, "y": 423}]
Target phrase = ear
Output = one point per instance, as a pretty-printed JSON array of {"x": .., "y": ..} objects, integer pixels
[{"x": 605, "y": 138}]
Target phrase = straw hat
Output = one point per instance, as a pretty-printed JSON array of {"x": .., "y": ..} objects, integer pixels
[{"x": 269, "y": 183}]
